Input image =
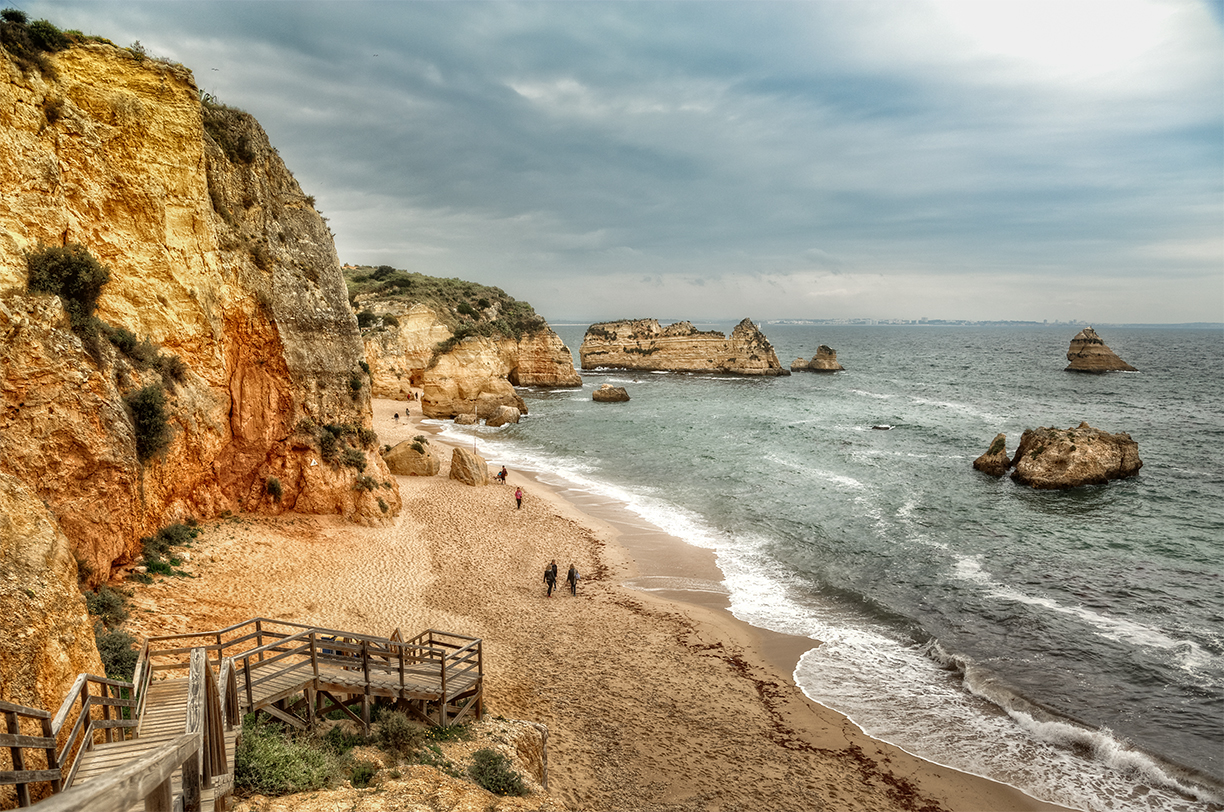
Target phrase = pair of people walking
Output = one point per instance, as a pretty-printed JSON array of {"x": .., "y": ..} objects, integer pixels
[{"x": 571, "y": 578}]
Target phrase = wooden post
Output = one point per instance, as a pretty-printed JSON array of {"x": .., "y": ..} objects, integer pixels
[
  {"x": 246, "y": 669},
  {"x": 161, "y": 799},
  {"x": 14, "y": 727},
  {"x": 259, "y": 637},
  {"x": 191, "y": 781},
  {"x": 52, "y": 757},
  {"x": 108, "y": 733},
  {"x": 365, "y": 694},
  {"x": 87, "y": 709}
]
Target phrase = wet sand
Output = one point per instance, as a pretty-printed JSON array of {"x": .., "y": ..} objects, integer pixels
[{"x": 655, "y": 700}]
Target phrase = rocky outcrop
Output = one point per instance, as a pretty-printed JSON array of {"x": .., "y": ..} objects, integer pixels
[
  {"x": 825, "y": 360},
  {"x": 680, "y": 347},
  {"x": 217, "y": 257},
  {"x": 48, "y": 637},
  {"x": 478, "y": 372},
  {"x": 1088, "y": 353},
  {"x": 995, "y": 461},
  {"x": 412, "y": 458},
  {"x": 610, "y": 394},
  {"x": 469, "y": 467},
  {"x": 502, "y": 416},
  {"x": 1068, "y": 458}
]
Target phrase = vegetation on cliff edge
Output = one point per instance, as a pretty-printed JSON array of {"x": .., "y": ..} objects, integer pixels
[{"x": 466, "y": 308}]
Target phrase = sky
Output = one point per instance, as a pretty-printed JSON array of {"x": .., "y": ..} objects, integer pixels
[{"x": 881, "y": 159}]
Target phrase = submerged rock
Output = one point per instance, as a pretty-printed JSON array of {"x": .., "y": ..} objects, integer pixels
[
  {"x": 610, "y": 394},
  {"x": 995, "y": 461},
  {"x": 1068, "y": 458},
  {"x": 503, "y": 415},
  {"x": 1088, "y": 353},
  {"x": 825, "y": 360}
]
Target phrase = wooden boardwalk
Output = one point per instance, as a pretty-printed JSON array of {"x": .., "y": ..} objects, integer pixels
[{"x": 166, "y": 740}]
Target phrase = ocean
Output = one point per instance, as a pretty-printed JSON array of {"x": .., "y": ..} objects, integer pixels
[{"x": 1068, "y": 643}]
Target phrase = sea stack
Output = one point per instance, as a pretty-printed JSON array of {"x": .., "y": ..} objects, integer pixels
[
  {"x": 680, "y": 347},
  {"x": 825, "y": 360},
  {"x": 995, "y": 461},
  {"x": 610, "y": 394},
  {"x": 1068, "y": 458},
  {"x": 1088, "y": 353}
]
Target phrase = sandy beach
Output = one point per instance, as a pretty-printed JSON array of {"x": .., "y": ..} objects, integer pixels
[{"x": 656, "y": 700}]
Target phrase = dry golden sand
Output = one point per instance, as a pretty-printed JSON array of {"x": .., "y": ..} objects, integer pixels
[{"x": 651, "y": 704}]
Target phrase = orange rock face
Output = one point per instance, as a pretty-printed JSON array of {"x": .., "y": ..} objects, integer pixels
[
  {"x": 216, "y": 257},
  {"x": 1088, "y": 353}
]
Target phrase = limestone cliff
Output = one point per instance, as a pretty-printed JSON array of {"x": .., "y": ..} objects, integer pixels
[
  {"x": 217, "y": 257},
  {"x": 475, "y": 374},
  {"x": 1089, "y": 353},
  {"x": 680, "y": 347}
]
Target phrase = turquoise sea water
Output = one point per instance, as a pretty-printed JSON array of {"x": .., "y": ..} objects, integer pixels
[{"x": 1068, "y": 643}]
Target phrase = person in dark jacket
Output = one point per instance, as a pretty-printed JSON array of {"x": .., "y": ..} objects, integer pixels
[
  {"x": 550, "y": 576},
  {"x": 571, "y": 578}
]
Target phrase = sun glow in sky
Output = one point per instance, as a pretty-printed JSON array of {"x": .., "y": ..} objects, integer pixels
[{"x": 977, "y": 159}]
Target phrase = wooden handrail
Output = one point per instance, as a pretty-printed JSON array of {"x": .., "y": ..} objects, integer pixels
[{"x": 147, "y": 780}]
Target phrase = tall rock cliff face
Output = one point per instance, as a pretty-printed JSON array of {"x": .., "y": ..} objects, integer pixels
[
  {"x": 680, "y": 347},
  {"x": 476, "y": 374},
  {"x": 1089, "y": 353},
  {"x": 216, "y": 255}
]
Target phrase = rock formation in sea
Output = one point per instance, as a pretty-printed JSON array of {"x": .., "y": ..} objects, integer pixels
[
  {"x": 411, "y": 345},
  {"x": 1088, "y": 353},
  {"x": 610, "y": 394},
  {"x": 503, "y": 415},
  {"x": 679, "y": 347},
  {"x": 1068, "y": 458},
  {"x": 995, "y": 461},
  {"x": 825, "y": 360},
  {"x": 220, "y": 353}
]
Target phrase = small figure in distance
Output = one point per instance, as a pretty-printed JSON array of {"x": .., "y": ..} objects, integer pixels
[
  {"x": 518, "y": 498},
  {"x": 501, "y": 476},
  {"x": 397, "y": 418},
  {"x": 571, "y": 578},
  {"x": 550, "y": 576}
]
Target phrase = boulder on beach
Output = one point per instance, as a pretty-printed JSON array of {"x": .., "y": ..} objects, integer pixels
[
  {"x": 469, "y": 467},
  {"x": 412, "y": 458},
  {"x": 503, "y": 415},
  {"x": 610, "y": 394},
  {"x": 1068, "y": 458},
  {"x": 825, "y": 360},
  {"x": 465, "y": 419},
  {"x": 995, "y": 461},
  {"x": 1088, "y": 353}
]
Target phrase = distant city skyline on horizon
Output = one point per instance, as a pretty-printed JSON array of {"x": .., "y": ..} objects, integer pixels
[{"x": 880, "y": 160}]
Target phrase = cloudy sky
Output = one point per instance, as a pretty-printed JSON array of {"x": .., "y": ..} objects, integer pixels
[{"x": 980, "y": 159}]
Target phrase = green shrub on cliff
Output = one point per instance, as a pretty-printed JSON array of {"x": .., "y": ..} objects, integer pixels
[
  {"x": 149, "y": 419},
  {"x": 73, "y": 274},
  {"x": 491, "y": 770}
]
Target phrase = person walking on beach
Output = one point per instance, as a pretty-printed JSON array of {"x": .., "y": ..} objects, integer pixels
[
  {"x": 550, "y": 576},
  {"x": 397, "y": 418},
  {"x": 518, "y": 498},
  {"x": 502, "y": 474},
  {"x": 571, "y": 578}
]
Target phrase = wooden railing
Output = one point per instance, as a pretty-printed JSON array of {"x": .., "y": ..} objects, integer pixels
[
  {"x": 146, "y": 779},
  {"x": 18, "y": 743}
]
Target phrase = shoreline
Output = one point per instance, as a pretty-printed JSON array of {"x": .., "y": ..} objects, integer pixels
[
  {"x": 666, "y": 569},
  {"x": 654, "y": 700}
]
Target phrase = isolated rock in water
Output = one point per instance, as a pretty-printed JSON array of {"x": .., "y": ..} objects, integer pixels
[
  {"x": 995, "y": 461},
  {"x": 679, "y": 347},
  {"x": 1088, "y": 353},
  {"x": 469, "y": 467},
  {"x": 503, "y": 415},
  {"x": 1068, "y": 458},
  {"x": 825, "y": 360},
  {"x": 412, "y": 458},
  {"x": 610, "y": 394},
  {"x": 465, "y": 419}
]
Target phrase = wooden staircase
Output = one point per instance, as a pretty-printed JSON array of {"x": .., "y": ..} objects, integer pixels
[{"x": 167, "y": 744}]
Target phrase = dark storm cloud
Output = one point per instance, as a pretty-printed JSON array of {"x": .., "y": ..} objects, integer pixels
[{"x": 564, "y": 151}]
